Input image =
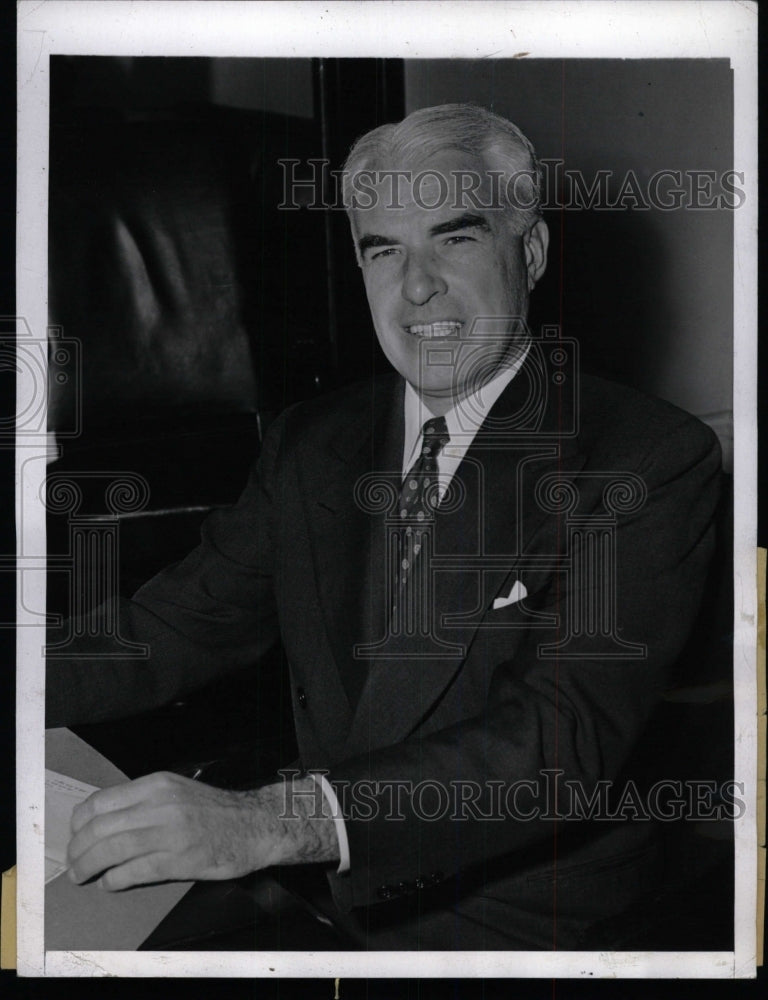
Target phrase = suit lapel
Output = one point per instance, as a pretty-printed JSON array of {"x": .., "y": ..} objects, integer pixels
[
  {"x": 348, "y": 572},
  {"x": 476, "y": 550}
]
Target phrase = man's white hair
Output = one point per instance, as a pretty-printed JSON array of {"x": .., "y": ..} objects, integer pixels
[{"x": 466, "y": 128}]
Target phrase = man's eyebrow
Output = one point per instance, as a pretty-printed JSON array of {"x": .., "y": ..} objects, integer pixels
[
  {"x": 468, "y": 220},
  {"x": 374, "y": 240}
]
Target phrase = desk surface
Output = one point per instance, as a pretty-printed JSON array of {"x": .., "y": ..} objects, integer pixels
[
  {"x": 256, "y": 912},
  {"x": 84, "y": 917}
]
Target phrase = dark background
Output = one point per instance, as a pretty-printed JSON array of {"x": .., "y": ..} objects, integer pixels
[{"x": 149, "y": 988}]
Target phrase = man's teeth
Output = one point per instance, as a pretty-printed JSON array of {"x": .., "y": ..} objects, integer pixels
[{"x": 442, "y": 329}]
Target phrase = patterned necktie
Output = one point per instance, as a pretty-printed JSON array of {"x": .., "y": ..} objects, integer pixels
[{"x": 419, "y": 497}]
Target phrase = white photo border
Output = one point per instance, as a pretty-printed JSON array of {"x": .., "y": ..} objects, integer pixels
[{"x": 592, "y": 28}]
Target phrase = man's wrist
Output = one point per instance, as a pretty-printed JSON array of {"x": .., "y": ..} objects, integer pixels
[{"x": 298, "y": 822}]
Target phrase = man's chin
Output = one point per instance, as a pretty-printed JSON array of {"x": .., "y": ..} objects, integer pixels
[{"x": 438, "y": 395}]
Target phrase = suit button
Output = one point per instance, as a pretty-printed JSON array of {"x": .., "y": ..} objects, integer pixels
[
  {"x": 405, "y": 888},
  {"x": 301, "y": 697},
  {"x": 421, "y": 882},
  {"x": 435, "y": 877},
  {"x": 385, "y": 892}
]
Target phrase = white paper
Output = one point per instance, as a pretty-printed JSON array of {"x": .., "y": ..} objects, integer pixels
[{"x": 62, "y": 794}]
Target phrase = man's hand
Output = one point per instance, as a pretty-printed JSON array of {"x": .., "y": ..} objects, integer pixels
[{"x": 165, "y": 827}]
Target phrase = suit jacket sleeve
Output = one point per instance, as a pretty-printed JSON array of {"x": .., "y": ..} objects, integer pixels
[
  {"x": 582, "y": 717},
  {"x": 209, "y": 614}
]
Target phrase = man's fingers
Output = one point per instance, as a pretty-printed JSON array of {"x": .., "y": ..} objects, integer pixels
[
  {"x": 139, "y": 871},
  {"x": 89, "y": 856},
  {"x": 105, "y": 825},
  {"x": 119, "y": 797}
]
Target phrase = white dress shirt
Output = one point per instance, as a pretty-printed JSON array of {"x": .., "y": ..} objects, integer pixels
[{"x": 464, "y": 421}]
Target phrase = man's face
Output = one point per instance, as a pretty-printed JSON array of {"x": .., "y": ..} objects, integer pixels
[{"x": 447, "y": 285}]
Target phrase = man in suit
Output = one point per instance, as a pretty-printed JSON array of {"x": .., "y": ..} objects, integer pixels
[{"x": 482, "y": 568}]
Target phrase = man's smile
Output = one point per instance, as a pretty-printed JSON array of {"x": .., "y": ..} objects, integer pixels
[{"x": 440, "y": 328}]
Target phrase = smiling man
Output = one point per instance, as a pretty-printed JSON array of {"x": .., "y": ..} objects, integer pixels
[
  {"x": 483, "y": 570},
  {"x": 437, "y": 267}
]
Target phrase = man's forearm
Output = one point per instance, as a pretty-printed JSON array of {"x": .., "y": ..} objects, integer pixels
[{"x": 165, "y": 827}]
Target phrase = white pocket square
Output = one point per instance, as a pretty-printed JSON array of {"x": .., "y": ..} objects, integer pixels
[{"x": 517, "y": 593}]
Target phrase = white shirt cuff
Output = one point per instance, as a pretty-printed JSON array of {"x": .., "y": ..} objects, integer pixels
[{"x": 338, "y": 819}]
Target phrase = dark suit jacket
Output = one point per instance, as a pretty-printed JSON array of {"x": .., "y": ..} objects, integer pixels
[{"x": 564, "y": 681}]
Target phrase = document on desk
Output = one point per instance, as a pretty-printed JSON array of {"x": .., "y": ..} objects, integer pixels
[
  {"x": 85, "y": 917},
  {"x": 62, "y": 794}
]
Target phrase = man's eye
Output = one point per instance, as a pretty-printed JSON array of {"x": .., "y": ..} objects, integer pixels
[
  {"x": 386, "y": 252},
  {"x": 452, "y": 240}
]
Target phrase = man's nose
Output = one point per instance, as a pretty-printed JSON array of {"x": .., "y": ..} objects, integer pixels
[{"x": 422, "y": 279}]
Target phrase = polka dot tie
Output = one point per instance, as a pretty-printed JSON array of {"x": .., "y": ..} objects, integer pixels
[{"x": 419, "y": 497}]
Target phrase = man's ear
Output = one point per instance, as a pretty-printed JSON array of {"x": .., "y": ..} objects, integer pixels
[
  {"x": 353, "y": 230},
  {"x": 536, "y": 243}
]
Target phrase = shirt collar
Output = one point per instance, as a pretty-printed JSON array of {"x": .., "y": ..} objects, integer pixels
[{"x": 463, "y": 420}]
